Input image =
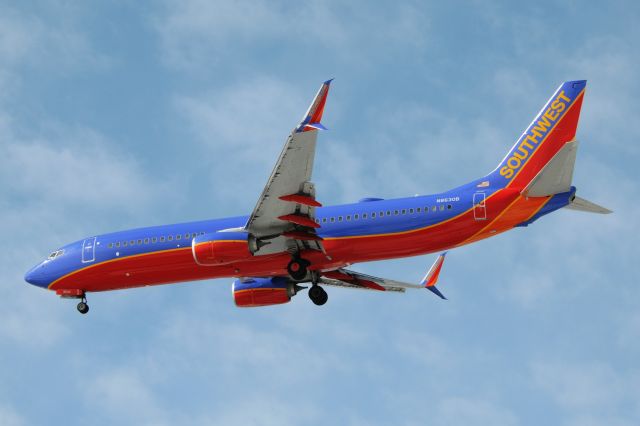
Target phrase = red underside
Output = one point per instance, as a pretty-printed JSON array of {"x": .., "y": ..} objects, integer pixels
[{"x": 504, "y": 210}]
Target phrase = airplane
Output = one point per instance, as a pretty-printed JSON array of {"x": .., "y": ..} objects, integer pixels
[{"x": 290, "y": 239}]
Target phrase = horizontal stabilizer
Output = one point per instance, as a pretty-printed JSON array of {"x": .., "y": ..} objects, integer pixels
[
  {"x": 352, "y": 279},
  {"x": 587, "y": 206},
  {"x": 556, "y": 176}
]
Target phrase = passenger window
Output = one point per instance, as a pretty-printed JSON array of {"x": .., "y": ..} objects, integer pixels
[
  {"x": 404, "y": 211},
  {"x": 388, "y": 212},
  {"x": 324, "y": 220},
  {"x": 194, "y": 235},
  {"x": 395, "y": 212},
  {"x": 441, "y": 207},
  {"x": 418, "y": 210},
  {"x": 170, "y": 238},
  {"x": 411, "y": 211},
  {"x": 146, "y": 241},
  {"x": 373, "y": 215},
  {"x": 162, "y": 239},
  {"x": 132, "y": 242},
  {"x": 339, "y": 218},
  {"x": 110, "y": 245},
  {"x": 364, "y": 215},
  {"x": 154, "y": 239},
  {"x": 139, "y": 241},
  {"x": 118, "y": 244},
  {"x": 178, "y": 237},
  {"x": 434, "y": 208},
  {"x": 186, "y": 236},
  {"x": 348, "y": 217},
  {"x": 333, "y": 219},
  {"x": 381, "y": 214},
  {"x": 355, "y": 217},
  {"x": 124, "y": 244},
  {"x": 448, "y": 206}
]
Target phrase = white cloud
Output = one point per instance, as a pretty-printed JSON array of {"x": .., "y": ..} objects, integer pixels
[
  {"x": 260, "y": 409},
  {"x": 465, "y": 411},
  {"x": 32, "y": 41},
  {"x": 123, "y": 396},
  {"x": 198, "y": 32},
  {"x": 9, "y": 417},
  {"x": 589, "y": 388}
]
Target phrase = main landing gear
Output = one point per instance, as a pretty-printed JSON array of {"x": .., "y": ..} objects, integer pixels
[
  {"x": 298, "y": 268},
  {"x": 83, "y": 308},
  {"x": 317, "y": 295}
]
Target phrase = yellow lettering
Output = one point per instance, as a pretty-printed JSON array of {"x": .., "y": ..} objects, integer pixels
[
  {"x": 526, "y": 144},
  {"x": 535, "y": 134},
  {"x": 563, "y": 97},
  {"x": 515, "y": 165},
  {"x": 522, "y": 154},
  {"x": 542, "y": 126},
  {"x": 506, "y": 172},
  {"x": 558, "y": 106},
  {"x": 531, "y": 138},
  {"x": 551, "y": 115}
]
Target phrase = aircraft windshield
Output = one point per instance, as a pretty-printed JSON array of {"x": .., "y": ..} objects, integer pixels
[{"x": 55, "y": 254}]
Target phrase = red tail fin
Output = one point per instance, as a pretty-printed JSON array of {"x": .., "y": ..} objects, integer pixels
[{"x": 555, "y": 124}]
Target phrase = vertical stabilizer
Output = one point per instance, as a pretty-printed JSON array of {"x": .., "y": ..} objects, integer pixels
[{"x": 551, "y": 129}]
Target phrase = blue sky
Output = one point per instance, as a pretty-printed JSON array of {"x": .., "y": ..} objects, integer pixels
[{"x": 122, "y": 114}]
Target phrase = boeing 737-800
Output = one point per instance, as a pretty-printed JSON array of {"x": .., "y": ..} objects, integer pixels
[{"x": 290, "y": 238}]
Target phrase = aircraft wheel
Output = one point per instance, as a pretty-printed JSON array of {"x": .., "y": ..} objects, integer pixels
[
  {"x": 317, "y": 295},
  {"x": 297, "y": 269},
  {"x": 83, "y": 308}
]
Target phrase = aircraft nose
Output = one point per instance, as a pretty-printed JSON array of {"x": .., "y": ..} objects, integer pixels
[{"x": 36, "y": 276}]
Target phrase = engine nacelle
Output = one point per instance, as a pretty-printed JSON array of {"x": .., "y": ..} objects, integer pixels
[
  {"x": 254, "y": 292},
  {"x": 220, "y": 248}
]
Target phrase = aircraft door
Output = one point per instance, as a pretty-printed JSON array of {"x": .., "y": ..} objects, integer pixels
[
  {"x": 479, "y": 206},
  {"x": 89, "y": 250}
]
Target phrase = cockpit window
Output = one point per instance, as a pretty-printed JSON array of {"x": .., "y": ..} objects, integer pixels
[{"x": 55, "y": 254}]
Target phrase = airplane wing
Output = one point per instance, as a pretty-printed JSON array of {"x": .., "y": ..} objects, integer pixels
[
  {"x": 284, "y": 217},
  {"x": 351, "y": 279}
]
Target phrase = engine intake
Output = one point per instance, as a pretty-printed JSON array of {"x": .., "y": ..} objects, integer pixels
[{"x": 254, "y": 292}]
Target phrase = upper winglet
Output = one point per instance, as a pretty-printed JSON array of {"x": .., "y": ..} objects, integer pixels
[
  {"x": 313, "y": 116},
  {"x": 429, "y": 281}
]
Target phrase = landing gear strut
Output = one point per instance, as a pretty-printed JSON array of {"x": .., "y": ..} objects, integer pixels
[
  {"x": 298, "y": 268},
  {"x": 317, "y": 295},
  {"x": 83, "y": 308}
]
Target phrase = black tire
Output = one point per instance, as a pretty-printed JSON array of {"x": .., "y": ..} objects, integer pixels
[
  {"x": 317, "y": 295},
  {"x": 83, "y": 308},
  {"x": 297, "y": 269}
]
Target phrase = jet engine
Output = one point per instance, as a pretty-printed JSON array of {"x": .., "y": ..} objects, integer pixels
[
  {"x": 254, "y": 292},
  {"x": 220, "y": 248}
]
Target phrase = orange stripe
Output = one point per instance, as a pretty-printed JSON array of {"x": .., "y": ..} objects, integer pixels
[
  {"x": 115, "y": 260},
  {"x": 492, "y": 222}
]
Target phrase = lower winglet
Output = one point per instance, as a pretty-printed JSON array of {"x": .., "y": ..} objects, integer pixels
[{"x": 429, "y": 281}]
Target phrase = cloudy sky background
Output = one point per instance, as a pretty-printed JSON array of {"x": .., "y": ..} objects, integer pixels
[{"x": 117, "y": 114}]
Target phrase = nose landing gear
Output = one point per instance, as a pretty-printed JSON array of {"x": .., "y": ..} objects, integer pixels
[{"x": 83, "y": 308}]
